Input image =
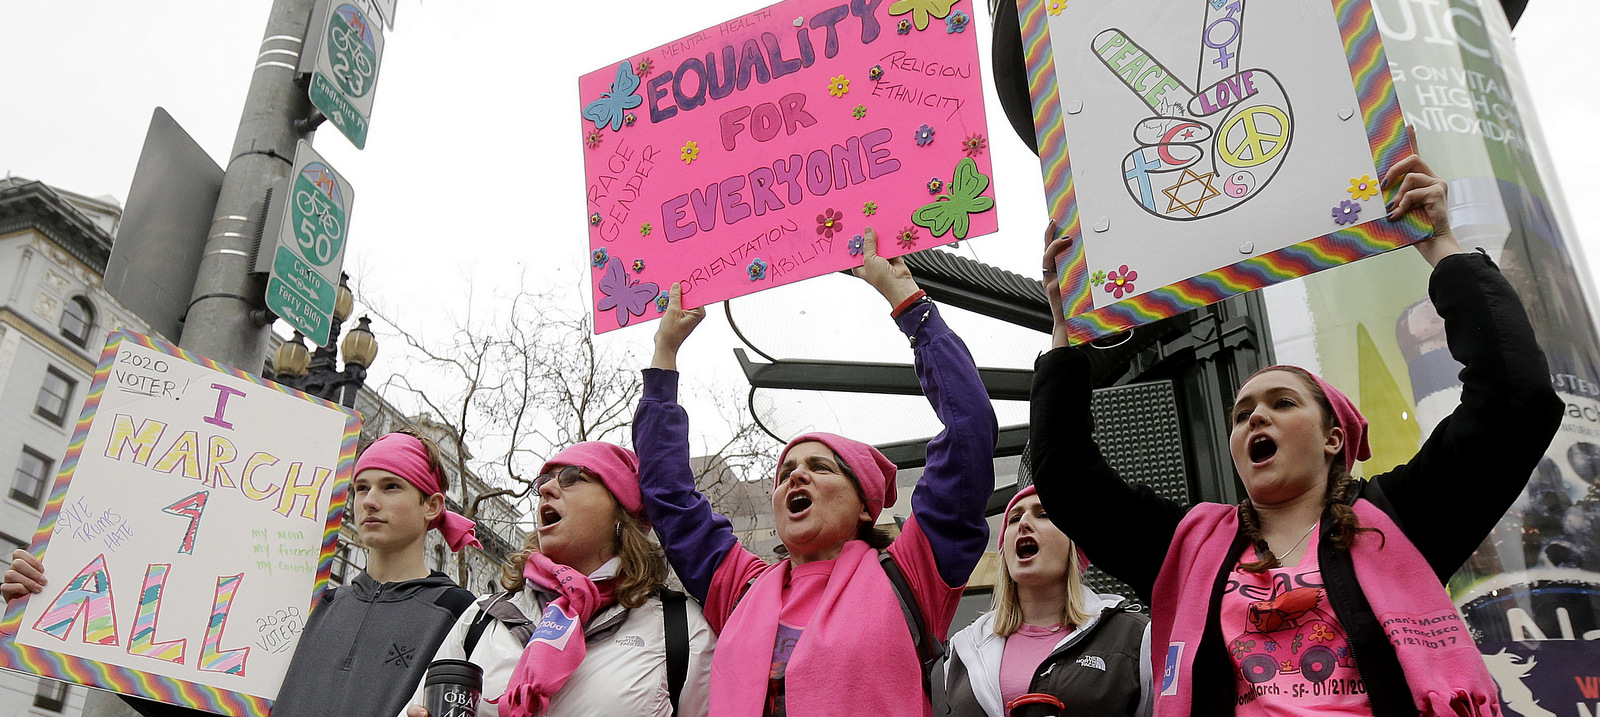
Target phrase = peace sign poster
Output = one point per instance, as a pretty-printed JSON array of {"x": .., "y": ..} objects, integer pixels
[
  {"x": 1199, "y": 149},
  {"x": 755, "y": 153},
  {"x": 191, "y": 526}
]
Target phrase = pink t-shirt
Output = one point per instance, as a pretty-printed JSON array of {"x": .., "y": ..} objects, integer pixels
[
  {"x": 1290, "y": 654},
  {"x": 1025, "y": 650},
  {"x": 800, "y": 598}
]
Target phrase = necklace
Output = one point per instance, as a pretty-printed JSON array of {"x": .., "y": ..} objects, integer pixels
[{"x": 1296, "y": 545}]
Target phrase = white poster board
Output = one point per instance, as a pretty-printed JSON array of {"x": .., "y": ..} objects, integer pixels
[{"x": 191, "y": 527}]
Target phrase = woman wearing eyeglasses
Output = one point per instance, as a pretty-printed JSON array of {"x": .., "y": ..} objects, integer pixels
[{"x": 581, "y": 628}]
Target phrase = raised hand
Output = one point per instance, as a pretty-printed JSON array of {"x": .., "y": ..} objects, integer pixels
[
  {"x": 25, "y": 577},
  {"x": 891, "y": 277},
  {"x": 1421, "y": 190},
  {"x": 1204, "y": 152},
  {"x": 1055, "y": 246},
  {"x": 676, "y": 325}
]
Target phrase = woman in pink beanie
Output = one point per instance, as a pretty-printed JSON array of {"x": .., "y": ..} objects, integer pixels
[
  {"x": 1318, "y": 593},
  {"x": 825, "y": 632},
  {"x": 580, "y": 629}
]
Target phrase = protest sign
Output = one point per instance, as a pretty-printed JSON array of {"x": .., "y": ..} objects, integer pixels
[
  {"x": 754, "y": 153},
  {"x": 1203, "y": 166},
  {"x": 191, "y": 526}
]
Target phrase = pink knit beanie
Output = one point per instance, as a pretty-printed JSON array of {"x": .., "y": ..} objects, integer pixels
[
  {"x": 1083, "y": 559},
  {"x": 615, "y": 466},
  {"x": 1345, "y": 416},
  {"x": 872, "y": 469}
]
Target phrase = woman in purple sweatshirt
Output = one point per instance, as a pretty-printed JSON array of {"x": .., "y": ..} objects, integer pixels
[{"x": 823, "y": 632}]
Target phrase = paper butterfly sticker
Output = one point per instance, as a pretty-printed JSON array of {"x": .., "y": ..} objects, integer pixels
[
  {"x": 952, "y": 210},
  {"x": 624, "y": 295},
  {"x": 614, "y": 104}
]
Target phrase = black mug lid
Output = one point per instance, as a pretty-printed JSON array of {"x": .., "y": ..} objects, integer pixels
[{"x": 454, "y": 672}]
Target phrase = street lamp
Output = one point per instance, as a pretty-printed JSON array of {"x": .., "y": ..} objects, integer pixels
[{"x": 317, "y": 373}]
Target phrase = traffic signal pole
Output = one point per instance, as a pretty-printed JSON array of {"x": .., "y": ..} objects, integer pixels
[{"x": 226, "y": 321}]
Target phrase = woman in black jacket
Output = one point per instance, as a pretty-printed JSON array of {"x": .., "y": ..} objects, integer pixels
[{"x": 1318, "y": 593}]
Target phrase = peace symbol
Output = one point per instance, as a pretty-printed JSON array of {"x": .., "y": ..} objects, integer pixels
[{"x": 1258, "y": 145}]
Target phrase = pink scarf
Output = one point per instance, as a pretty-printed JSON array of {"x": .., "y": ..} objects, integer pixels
[
  {"x": 1442, "y": 667},
  {"x": 557, "y": 646},
  {"x": 855, "y": 657}
]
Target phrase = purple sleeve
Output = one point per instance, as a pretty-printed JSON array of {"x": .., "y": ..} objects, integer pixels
[
  {"x": 950, "y": 498},
  {"x": 696, "y": 538}
]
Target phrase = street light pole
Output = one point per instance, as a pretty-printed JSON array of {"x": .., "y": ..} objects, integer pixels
[{"x": 223, "y": 323}]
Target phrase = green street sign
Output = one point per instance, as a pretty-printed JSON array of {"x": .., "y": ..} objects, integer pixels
[
  {"x": 313, "y": 219},
  {"x": 346, "y": 69}
]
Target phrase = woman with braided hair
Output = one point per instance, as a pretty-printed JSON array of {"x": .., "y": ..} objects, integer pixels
[{"x": 1318, "y": 593}]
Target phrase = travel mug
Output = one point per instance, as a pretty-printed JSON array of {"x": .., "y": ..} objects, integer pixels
[
  {"x": 1035, "y": 704},
  {"x": 451, "y": 688}
]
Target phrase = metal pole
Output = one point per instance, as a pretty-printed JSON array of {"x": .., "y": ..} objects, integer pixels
[{"x": 220, "y": 324}]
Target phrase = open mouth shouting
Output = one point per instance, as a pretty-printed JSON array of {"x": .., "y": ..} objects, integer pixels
[
  {"x": 1262, "y": 448},
  {"x": 798, "y": 504},
  {"x": 1026, "y": 548},
  {"x": 548, "y": 517}
]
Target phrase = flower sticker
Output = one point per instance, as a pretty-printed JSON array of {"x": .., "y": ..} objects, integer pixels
[
  {"x": 869, "y": 209},
  {"x": 644, "y": 68},
  {"x": 1120, "y": 282},
  {"x": 1056, "y": 6},
  {"x": 1363, "y": 188},
  {"x": 957, "y": 22},
  {"x": 599, "y": 257},
  {"x": 908, "y": 237},
  {"x": 638, "y": 266},
  {"x": 875, "y": 73},
  {"x": 1321, "y": 632},
  {"x": 1097, "y": 278},
  {"x": 904, "y": 28},
  {"x": 859, "y": 112},
  {"x": 857, "y": 244},
  {"x": 934, "y": 185},
  {"x": 839, "y": 86},
  {"x": 629, "y": 119},
  {"x": 593, "y": 138},
  {"x": 661, "y": 301},
  {"x": 924, "y": 136},
  {"x": 691, "y": 152},
  {"x": 594, "y": 219},
  {"x": 921, "y": 10},
  {"x": 974, "y": 144},
  {"x": 757, "y": 270},
  {"x": 1347, "y": 212},
  {"x": 830, "y": 222},
  {"x": 644, "y": 231}
]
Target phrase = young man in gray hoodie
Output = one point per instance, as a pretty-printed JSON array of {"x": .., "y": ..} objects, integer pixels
[{"x": 367, "y": 644}]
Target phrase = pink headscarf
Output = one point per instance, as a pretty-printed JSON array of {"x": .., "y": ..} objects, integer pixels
[
  {"x": 1345, "y": 415},
  {"x": 406, "y": 457},
  {"x": 874, "y": 472},
  {"x": 615, "y": 466},
  {"x": 1083, "y": 559}
]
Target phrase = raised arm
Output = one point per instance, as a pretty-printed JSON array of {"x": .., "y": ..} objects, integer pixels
[
  {"x": 1124, "y": 529},
  {"x": 696, "y": 538},
  {"x": 1478, "y": 459}
]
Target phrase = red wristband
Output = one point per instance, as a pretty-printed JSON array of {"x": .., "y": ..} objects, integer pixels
[{"x": 910, "y": 301}]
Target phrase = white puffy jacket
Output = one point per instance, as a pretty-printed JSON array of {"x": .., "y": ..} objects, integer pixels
[{"x": 624, "y": 671}]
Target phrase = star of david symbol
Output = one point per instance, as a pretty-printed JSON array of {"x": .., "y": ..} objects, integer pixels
[
  {"x": 400, "y": 655},
  {"x": 1192, "y": 206}
]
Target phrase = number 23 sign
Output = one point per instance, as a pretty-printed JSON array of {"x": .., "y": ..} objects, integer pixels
[{"x": 191, "y": 526}]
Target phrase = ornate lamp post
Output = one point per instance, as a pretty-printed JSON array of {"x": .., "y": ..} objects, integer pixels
[{"x": 317, "y": 373}]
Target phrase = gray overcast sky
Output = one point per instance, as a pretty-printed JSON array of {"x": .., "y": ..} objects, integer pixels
[{"x": 468, "y": 184}]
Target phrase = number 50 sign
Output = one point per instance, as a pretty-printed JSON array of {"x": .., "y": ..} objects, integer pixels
[{"x": 313, "y": 216}]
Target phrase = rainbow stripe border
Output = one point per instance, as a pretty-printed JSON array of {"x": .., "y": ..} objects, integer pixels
[
  {"x": 1386, "y": 133},
  {"x": 133, "y": 682}
]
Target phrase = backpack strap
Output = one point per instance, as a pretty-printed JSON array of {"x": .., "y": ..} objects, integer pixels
[
  {"x": 675, "y": 614},
  {"x": 929, "y": 648},
  {"x": 475, "y": 632},
  {"x": 499, "y": 607},
  {"x": 456, "y": 600}
]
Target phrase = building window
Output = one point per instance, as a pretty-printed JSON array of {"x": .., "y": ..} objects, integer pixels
[
  {"x": 55, "y": 396},
  {"x": 32, "y": 472},
  {"x": 52, "y": 695},
  {"x": 76, "y": 320}
]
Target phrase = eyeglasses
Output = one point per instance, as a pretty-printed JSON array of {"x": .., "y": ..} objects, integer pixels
[{"x": 566, "y": 477}]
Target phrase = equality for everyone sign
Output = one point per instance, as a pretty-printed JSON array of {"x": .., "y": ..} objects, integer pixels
[
  {"x": 191, "y": 526},
  {"x": 1204, "y": 148},
  {"x": 754, "y": 153}
]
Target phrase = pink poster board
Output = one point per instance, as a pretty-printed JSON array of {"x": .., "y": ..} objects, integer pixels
[{"x": 754, "y": 153}]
